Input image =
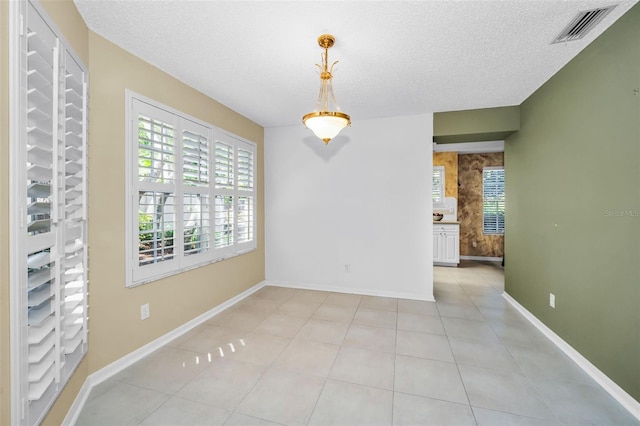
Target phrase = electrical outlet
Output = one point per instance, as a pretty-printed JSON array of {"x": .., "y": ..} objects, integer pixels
[
  {"x": 474, "y": 244},
  {"x": 552, "y": 300},
  {"x": 144, "y": 311},
  {"x": 347, "y": 268}
]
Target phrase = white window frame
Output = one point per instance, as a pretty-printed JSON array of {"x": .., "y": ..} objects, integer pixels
[
  {"x": 497, "y": 229},
  {"x": 140, "y": 274},
  {"x": 438, "y": 170}
]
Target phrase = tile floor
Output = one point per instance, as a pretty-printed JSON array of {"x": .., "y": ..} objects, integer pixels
[{"x": 299, "y": 357}]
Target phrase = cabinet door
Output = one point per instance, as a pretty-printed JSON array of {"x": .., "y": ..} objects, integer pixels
[
  {"x": 438, "y": 249},
  {"x": 451, "y": 247}
]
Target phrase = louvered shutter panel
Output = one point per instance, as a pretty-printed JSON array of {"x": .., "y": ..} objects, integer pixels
[
  {"x": 196, "y": 197},
  {"x": 245, "y": 209},
  {"x": 51, "y": 290},
  {"x": 43, "y": 257},
  {"x": 493, "y": 200},
  {"x": 74, "y": 286},
  {"x": 224, "y": 222},
  {"x": 157, "y": 226},
  {"x": 438, "y": 184}
]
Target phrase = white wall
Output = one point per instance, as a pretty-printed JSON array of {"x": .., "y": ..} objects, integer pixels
[{"x": 363, "y": 200}]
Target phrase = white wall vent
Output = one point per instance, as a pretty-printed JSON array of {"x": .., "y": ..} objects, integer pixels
[{"x": 582, "y": 24}]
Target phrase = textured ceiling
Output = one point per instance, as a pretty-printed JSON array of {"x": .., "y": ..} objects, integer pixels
[{"x": 396, "y": 57}]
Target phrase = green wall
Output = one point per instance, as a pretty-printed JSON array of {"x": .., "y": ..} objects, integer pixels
[
  {"x": 573, "y": 203},
  {"x": 476, "y": 125}
]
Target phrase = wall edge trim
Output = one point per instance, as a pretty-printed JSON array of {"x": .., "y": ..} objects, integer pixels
[
  {"x": 117, "y": 366},
  {"x": 482, "y": 258},
  {"x": 349, "y": 290},
  {"x": 611, "y": 387}
]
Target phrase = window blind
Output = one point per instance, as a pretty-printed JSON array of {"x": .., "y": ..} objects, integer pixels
[{"x": 493, "y": 200}]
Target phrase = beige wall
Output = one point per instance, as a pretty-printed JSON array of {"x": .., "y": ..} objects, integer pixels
[
  {"x": 115, "y": 325},
  {"x": 115, "y": 328},
  {"x": 470, "y": 206},
  {"x": 450, "y": 162}
]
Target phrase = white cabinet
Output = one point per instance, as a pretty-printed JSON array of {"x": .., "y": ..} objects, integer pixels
[{"x": 446, "y": 244}]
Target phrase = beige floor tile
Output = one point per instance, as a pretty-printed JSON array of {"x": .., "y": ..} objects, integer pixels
[
  {"x": 335, "y": 313},
  {"x": 412, "y": 410},
  {"x": 257, "y": 305},
  {"x": 258, "y": 348},
  {"x": 298, "y": 309},
  {"x": 283, "y": 396},
  {"x": 281, "y": 325},
  {"x": 486, "y": 417},
  {"x": 454, "y": 310},
  {"x": 123, "y": 404},
  {"x": 279, "y": 294},
  {"x": 429, "y": 378},
  {"x": 343, "y": 299},
  {"x": 181, "y": 412},
  {"x": 364, "y": 367},
  {"x": 224, "y": 384},
  {"x": 238, "y": 419},
  {"x": 424, "y": 345},
  {"x": 308, "y": 357},
  {"x": 242, "y": 319},
  {"x": 166, "y": 370},
  {"x": 505, "y": 391},
  {"x": 379, "y": 303},
  {"x": 373, "y": 338},
  {"x": 210, "y": 338},
  {"x": 482, "y": 354},
  {"x": 468, "y": 329},
  {"x": 310, "y": 296},
  {"x": 420, "y": 323},
  {"x": 418, "y": 307},
  {"x": 376, "y": 318},
  {"x": 323, "y": 331},
  {"x": 344, "y": 403}
]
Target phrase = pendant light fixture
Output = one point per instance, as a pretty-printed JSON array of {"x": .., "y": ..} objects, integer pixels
[{"x": 326, "y": 120}]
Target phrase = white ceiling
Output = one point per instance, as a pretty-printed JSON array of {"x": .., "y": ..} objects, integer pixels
[{"x": 396, "y": 57}]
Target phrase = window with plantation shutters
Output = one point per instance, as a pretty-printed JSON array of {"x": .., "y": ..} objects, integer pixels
[
  {"x": 493, "y": 200},
  {"x": 438, "y": 185},
  {"x": 49, "y": 221},
  {"x": 192, "y": 193}
]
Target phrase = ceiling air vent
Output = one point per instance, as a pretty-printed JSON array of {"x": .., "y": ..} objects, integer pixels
[{"x": 582, "y": 24}]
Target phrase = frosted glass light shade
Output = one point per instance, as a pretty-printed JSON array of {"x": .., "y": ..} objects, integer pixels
[{"x": 325, "y": 124}]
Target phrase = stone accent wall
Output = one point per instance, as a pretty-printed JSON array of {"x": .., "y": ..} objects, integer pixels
[
  {"x": 470, "y": 205},
  {"x": 450, "y": 162}
]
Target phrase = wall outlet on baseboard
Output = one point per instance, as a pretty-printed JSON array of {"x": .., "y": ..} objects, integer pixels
[
  {"x": 552, "y": 300},
  {"x": 144, "y": 311}
]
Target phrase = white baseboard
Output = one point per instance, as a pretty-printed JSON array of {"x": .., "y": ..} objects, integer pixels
[
  {"x": 626, "y": 400},
  {"x": 351, "y": 290},
  {"x": 117, "y": 366},
  {"x": 482, "y": 258}
]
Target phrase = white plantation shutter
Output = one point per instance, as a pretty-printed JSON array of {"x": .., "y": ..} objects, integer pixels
[
  {"x": 196, "y": 190},
  {"x": 245, "y": 211},
  {"x": 192, "y": 196},
  {"x": 49, "y": 241},
  {"x": 235, "y": 195},
  {"x": 224, "y": 223},
  {"x": 157, "y": 206},
  {"x": 438, "y": 185},
  {"x": 493, "y": 200}
]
